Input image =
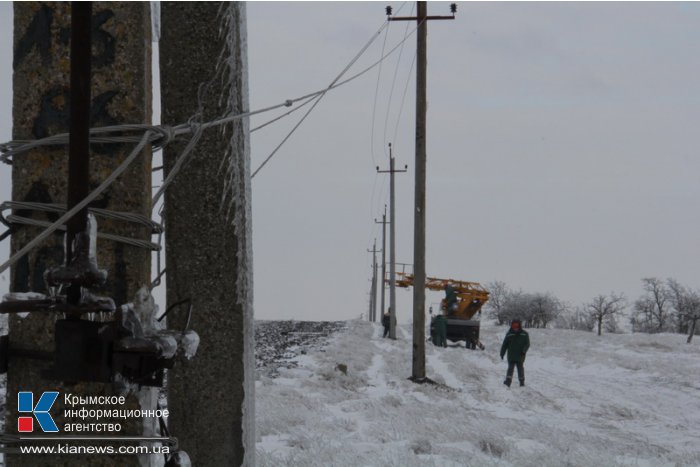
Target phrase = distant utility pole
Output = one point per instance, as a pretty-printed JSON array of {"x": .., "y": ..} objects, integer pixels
[
  {"x": 373, "y": 298},
  {"x": 392, "y": 241},
  {"x": 383, "y": 222},
  {"x": 419, "y": 213}
]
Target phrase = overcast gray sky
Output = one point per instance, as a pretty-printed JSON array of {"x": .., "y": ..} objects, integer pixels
[{"x": 562, "y": 149}]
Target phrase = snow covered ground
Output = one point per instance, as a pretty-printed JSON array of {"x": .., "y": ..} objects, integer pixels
[
  {"x": 614, "y": 400},
  {"x": 279, "y": 343}
]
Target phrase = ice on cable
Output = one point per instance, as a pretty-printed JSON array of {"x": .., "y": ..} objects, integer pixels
[
  {"x": 189, "y": 343},
  {"x": 145, "y": 308},
  {"x": 83, "y": 268},
  {"x": 23, "y": 296},
  {"x": 143, "y": 331}
]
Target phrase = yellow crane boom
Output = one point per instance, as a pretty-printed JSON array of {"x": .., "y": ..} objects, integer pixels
[
  {"x": 470, "y": 296},
  {"x": 462, "y": 301}
]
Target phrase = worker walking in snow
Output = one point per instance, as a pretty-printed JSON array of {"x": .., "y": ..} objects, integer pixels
[
  {"x": 441, "y": 330},
  {"x": 450, "y": 299},
  {"x": 516, "y": 343},
  {"x": 386, "y": 322}
]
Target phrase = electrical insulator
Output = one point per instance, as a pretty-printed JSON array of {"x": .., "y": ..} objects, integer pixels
[
  {"x": 388, "y": 10},
  {"x": 453, "y": 8}
]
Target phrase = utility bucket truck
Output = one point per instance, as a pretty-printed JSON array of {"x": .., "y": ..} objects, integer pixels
[{"x": 463, "y": 300}]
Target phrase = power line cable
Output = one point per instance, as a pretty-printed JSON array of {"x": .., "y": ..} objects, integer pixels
[
  {"x": 393, "y": 81},
  {"x": 376, "y": 94},
  {"x": 289, "y": 112},
  {"x": 178, "y": 164},
  {"x": 321, "y": 95},
  {"x": 403, "y": 98},
  {"x": 335, "y": 84},
  {"x": 159, "y": 136},
  {"x": 82, "y": 204}
]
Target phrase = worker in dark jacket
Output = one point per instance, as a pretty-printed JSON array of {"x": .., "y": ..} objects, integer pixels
[
  {"x": 516, "y": 343},
  {"x": 450, "y": 299},
  {"x": 386, "y": 322},
  {"x": 440, "y": 331}
]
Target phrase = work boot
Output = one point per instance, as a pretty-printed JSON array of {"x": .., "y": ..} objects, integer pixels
[
  {"x": 522, "y": 382},
  {"x": 507, "y": 382}
]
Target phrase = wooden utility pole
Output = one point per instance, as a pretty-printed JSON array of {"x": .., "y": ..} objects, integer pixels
[
  {"x": 392, "y": 241},
  {"x": 418, "y": 373},
  {"x": 381, "y": 282}
]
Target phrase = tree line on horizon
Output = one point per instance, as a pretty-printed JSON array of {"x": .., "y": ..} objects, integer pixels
[{"x": 663, "y": 306}]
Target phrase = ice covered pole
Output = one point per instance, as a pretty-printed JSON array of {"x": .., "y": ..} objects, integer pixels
[{"x": 208, "y": 239}]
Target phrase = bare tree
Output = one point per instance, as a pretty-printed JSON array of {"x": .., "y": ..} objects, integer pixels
[
  {"x": 686, "y": 304},
  {"x": 545, "y": 307},
  {"x": 516, "y": 306},
  {"x": 603, "y": 308},
  {"x": 498, "y": 295},
  {"x": 577, "y": 319},
  {"x": 611, "y": 325},
  {"x": 652, "y": 310},
  {"x": 535, "y": 310},
  {"x": 678, "y": 295},
  {"x": 641, "y": 318},
  {"x": 693, "y": 314}
]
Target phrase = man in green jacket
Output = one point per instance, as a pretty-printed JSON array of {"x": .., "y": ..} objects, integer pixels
[
  {"x": 516, "y": 343},
  {"x": 441, "y": 330},
  {"x": 450, "y": 299}
]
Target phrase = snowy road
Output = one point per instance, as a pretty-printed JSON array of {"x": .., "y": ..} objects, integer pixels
[{"x": 627, "y": 400}]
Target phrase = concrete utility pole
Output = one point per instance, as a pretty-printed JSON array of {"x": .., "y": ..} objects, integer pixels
[
  {"x": 392, "y": 241},
  {"x": 374, "y": 292},
  {"x": 421, "y": 19},
  {"x": 383, "y": 222},
  {"x": 120, "y": 93},
  {"x": 370, "y": 309},
  {"x": 370, "y": 304},
  {"x": 373, "y": 300},
  {"x": 209, "y": 250}
]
